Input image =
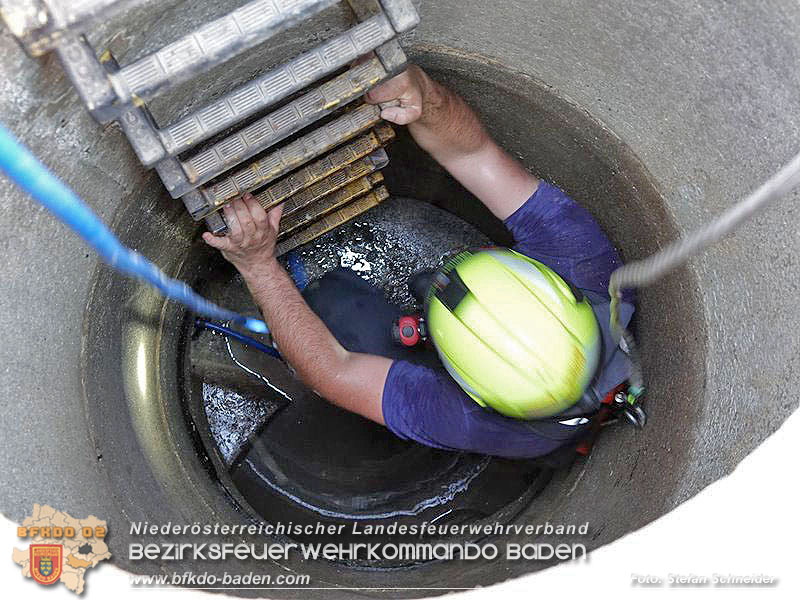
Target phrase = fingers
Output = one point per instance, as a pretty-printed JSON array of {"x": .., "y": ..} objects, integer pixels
[
  {"x": 245, "y": 218},
  {"x": 393, "y": 89},
  {"x": 235, "y": 234},
  {"x": 400, "y": 98},
  {"x": 251, "y": 233},
  {"x": 219, "y": 242},
  {"x": 257, "y": 211},
  {"x": 401, "y": 115},
  {"x": 274, "y": 217}
]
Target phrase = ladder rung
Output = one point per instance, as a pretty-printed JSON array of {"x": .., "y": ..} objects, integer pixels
[
  {"x": 348, "y": 174},
  {"x": 210, "y": 45},
  {"x": 275, "y": 85},
  {"x": 42, "y": 26},
  {"x": 202, "y": 202},
  {"x": 309, "y": 214},
  {"x": 333, "y": 220},
  {"x": 401, "y": 13},
  {"x": 311, "y": 194},
  {"x": 390, "y": 53},
  {"x": 352, "y": 151},
  {"x": 291, "y": 156},
  {"x": 282, "y": 123},
  {"x": 87, "y": 75},
  {"x": 215, "y": 223}
]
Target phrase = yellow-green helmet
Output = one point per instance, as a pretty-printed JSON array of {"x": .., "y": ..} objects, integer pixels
[{"x": 512, "y": 333}]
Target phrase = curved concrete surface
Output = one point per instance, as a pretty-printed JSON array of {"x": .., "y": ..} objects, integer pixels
[{"x": 672, "y": 111}]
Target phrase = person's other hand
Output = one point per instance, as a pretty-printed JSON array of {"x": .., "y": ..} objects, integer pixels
[
  {"x": 252, "y": 233},
  {"x": 407, "y": 89}
]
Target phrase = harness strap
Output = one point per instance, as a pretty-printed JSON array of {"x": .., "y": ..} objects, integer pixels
[{"x": 584, "y": 447}]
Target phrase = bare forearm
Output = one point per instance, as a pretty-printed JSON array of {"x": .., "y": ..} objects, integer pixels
[
  {"x": 450, "y": 131},
  {"x": 307, "y": 344},
  {"x": 351, "y": 380},
  {"x": 302, "y": 337}
]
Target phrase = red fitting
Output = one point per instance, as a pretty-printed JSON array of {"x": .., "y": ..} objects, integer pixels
[{"x": 408, "y": 330}]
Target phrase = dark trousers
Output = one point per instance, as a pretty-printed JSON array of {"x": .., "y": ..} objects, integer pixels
[{"x": 360, "y": 317}]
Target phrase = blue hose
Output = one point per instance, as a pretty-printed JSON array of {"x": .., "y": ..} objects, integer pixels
[
  {"x": 32, "y": 176},
  {"x": 244, "y": 339}
]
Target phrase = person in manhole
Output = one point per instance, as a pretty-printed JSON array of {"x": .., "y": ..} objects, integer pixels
[{"x": 523, "y": 350}]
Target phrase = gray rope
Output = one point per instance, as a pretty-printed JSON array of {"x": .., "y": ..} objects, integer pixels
[{"x": 648, "y": 270}]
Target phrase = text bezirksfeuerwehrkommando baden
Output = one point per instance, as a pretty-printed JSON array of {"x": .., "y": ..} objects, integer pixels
[
  {"x": 411, "y": 550},
  {"x": 354, "y": 551}
]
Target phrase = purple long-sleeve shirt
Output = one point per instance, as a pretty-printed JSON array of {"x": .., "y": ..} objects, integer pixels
[{"x": 426, "y": 405}]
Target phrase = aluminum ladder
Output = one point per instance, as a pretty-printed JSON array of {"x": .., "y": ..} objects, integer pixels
[{"x": 326, "y": 174}]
